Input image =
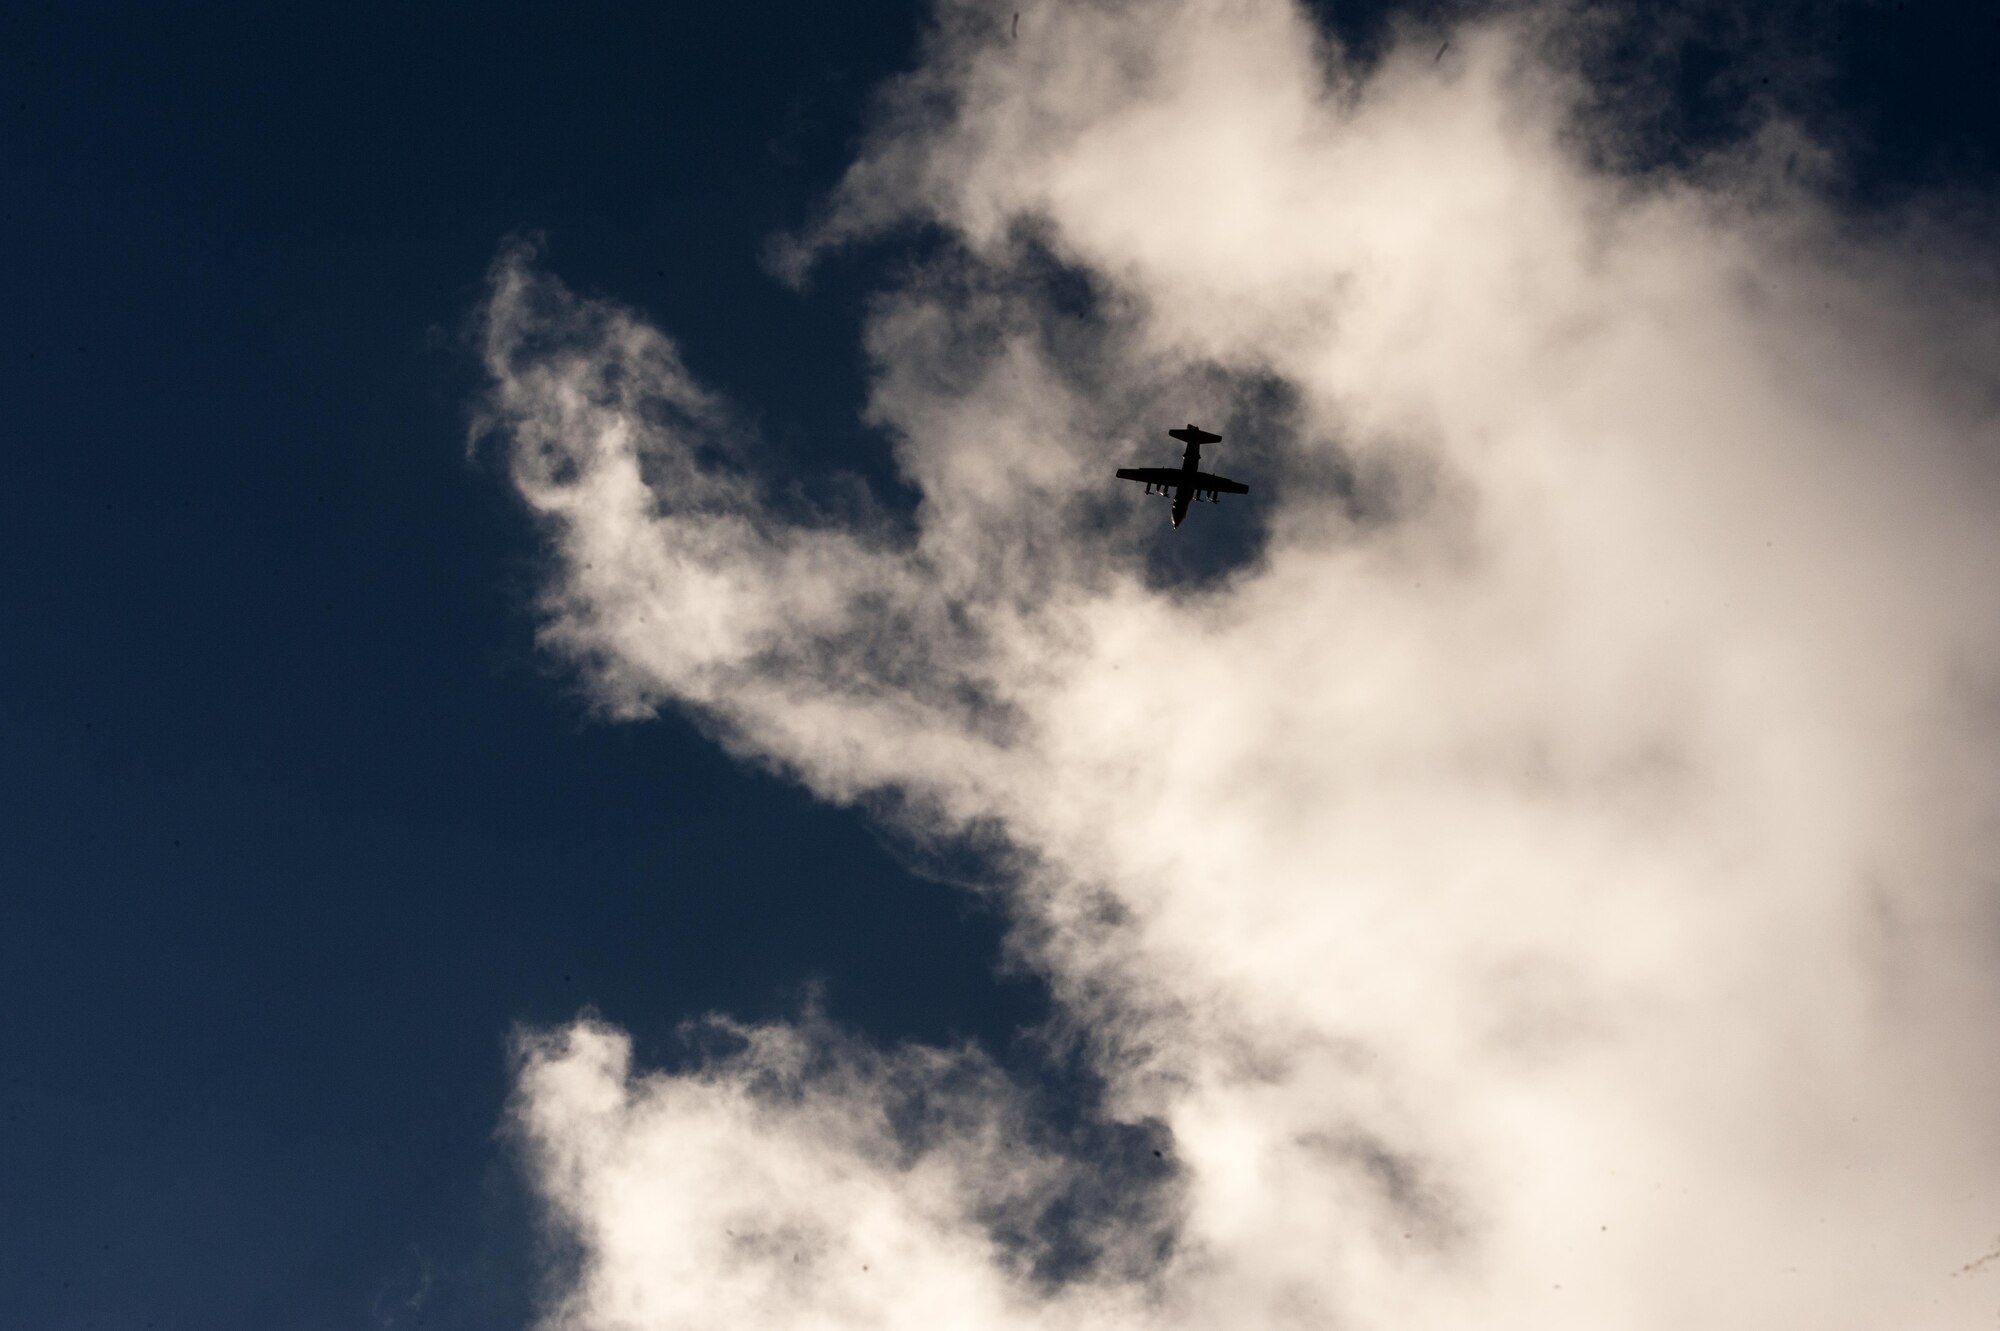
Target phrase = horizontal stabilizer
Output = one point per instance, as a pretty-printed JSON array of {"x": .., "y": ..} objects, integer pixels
[{"x": 1194, "y": 434}]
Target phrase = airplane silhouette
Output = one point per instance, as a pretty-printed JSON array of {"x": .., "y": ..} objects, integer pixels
[{"x": 1188, "y": 482}]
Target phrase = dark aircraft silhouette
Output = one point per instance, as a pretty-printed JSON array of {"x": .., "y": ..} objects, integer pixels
[{"x": 1188, "y": 482}]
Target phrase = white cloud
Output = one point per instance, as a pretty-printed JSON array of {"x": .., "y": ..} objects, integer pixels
[{"x": 1548, "y": 881}]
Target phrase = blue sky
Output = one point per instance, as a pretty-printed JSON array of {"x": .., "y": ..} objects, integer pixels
[{"x": 300, "y": 825}]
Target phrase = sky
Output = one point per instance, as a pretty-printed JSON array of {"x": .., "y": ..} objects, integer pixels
[{"x": 591, "y": 744}]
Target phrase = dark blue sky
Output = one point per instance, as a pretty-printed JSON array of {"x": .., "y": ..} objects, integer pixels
[{"x": 297, "y": 825}]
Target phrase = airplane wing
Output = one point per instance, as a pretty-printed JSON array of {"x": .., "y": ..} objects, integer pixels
[
  {"x": 1151, "y": 475},
  {"x": 1219, "y": 484}
]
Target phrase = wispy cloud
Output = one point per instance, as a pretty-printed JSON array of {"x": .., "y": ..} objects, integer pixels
[{"x": 1542, "y": 877}]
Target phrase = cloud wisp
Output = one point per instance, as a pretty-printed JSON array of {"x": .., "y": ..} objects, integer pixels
[{"x": 1543, "y": 875}]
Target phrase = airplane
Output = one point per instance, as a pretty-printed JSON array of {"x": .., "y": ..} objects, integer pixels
[{"x": 1187, "y": 482}]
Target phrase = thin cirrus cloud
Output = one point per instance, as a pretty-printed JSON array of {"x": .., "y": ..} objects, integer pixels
[{"x": 1542, "y": 876}]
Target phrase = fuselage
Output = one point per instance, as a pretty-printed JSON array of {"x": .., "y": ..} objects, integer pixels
[{"x": 1184, "y": 494}]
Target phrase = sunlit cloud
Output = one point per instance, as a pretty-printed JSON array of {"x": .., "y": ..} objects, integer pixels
[{"x": 1530, "y": 863}]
